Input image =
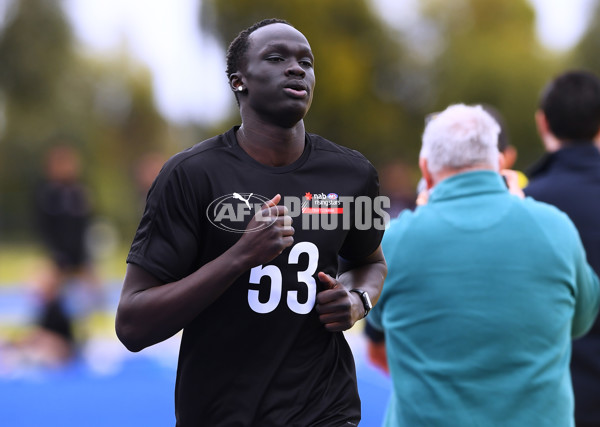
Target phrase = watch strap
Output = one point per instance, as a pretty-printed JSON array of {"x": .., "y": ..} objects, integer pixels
[{"x": 364, "y": 297}]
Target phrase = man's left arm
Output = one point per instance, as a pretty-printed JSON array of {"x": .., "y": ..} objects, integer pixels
[{"x": 339, "y": 305}]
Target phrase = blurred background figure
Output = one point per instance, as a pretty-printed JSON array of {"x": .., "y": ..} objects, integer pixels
[
  {"x": 509, "y": 151},
  {"x": 568, "y": 177},
  {"x": 63, "y": 209},
  {"x": 67, "y": 287}
]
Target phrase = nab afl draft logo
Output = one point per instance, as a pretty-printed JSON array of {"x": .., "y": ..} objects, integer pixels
[{"x": 232, "y": 212}]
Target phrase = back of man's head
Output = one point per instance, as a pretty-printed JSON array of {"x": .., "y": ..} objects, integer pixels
[
  {"x": 571, "y": 104},
  {"x": 461, "y": 137}
]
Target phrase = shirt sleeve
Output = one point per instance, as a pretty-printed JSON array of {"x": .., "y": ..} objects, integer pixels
[
  {"x": 166, "y": 241},
  {"x": 366, "y": 233}
]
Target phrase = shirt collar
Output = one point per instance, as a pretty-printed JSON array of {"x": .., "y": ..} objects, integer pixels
[
  {"x": 468, "y": 184},
  {"x": 572, "y": 156}
]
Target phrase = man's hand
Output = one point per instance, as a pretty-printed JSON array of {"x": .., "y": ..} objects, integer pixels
[
  {"x": 151, "y": 311},
  {"x": 338, "y": 308},
  {"x": 266, "y": 243},
  {"x": 512, "y": 182}
]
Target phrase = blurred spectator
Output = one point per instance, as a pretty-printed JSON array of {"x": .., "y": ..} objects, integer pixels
[
  {"x": 568, "y": 177},
  {"x": 509, "y": 151},
  {"x": 63, "y": 209},
  {"x": 396, "y": 182},
  {"x": 51, "y": 341},
  {"x": 63, "y": 213},
  {"x": 484, "y": 292}
]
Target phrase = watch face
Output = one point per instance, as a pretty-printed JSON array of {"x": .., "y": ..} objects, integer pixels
[{"x": 367, "y": 301}]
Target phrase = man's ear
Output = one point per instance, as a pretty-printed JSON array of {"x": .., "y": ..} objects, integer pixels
[
  {"x": 510, "y": 157},
  {"x": 425, "y": 172},
  {"x": 235, "y": 81},
  {"x": 551, "y": 143},
  {"x": 597, "y": 139},
  {"x": 541, "y": 123}
]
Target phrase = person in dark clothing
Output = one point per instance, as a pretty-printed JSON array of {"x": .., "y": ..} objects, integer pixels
[
  {"x": 63, "y": 213},
  {"x": 568, "y": 177},
  {"x": 63, "y": 209},
  {"x": 261, "y": 293}
]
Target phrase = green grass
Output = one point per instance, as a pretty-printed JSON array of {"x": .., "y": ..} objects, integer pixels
[
  {"x": 18, "y": 262},
  {"x": 21, "y": 263}
]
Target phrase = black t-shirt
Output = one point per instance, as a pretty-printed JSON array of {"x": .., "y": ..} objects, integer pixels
[
  {"x": 63, "y": 212},
  {"x": 258, "y": 356}
]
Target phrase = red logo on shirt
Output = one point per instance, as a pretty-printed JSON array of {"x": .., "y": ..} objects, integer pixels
[{"x": 321, "y": 203}]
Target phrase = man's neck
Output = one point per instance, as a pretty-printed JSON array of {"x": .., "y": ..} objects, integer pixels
[
  {"x": 565, "y": 143},
  {"x": 272, "y": 145},
  {"x": 447, "y": 173}
]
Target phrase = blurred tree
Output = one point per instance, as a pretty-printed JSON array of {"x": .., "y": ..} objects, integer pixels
[
  {"x": 375, "y": 84},
  {"x": 34, "y": 53},
  {"x": 30, "y": 70},
  {"x": 49, "y": 93},
  {"x": 488, "y": 52},
  {"x": 121, "y": 125},
  {"x": 585, "y": 54}
]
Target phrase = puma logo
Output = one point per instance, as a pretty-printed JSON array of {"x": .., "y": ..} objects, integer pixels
[{"x": 239, "y": 197}]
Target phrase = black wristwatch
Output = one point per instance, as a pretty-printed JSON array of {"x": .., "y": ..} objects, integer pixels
[{"x": 364, "y": 296}]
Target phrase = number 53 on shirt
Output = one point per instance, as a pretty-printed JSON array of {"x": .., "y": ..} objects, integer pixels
[{"x": 274, "y": 273}]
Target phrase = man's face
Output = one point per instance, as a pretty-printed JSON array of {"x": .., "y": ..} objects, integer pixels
[{"x": 279, "y": 74}]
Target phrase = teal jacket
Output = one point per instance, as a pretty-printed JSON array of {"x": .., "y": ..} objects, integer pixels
[{"x": 484, "y": 294}]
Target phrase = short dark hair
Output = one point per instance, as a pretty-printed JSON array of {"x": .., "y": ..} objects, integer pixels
[
  {"x": 239, "y": 46},
  {"x": 571, "y": 104}
]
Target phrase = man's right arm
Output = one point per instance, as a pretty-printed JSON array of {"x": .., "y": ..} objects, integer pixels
[{"x": 150, "y": 311}]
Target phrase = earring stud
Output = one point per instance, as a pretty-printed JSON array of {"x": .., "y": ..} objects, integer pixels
[{"x": 240, "y": 88}]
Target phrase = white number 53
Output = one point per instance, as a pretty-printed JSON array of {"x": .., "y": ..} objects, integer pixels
[{"x": 274, "y": 274}]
